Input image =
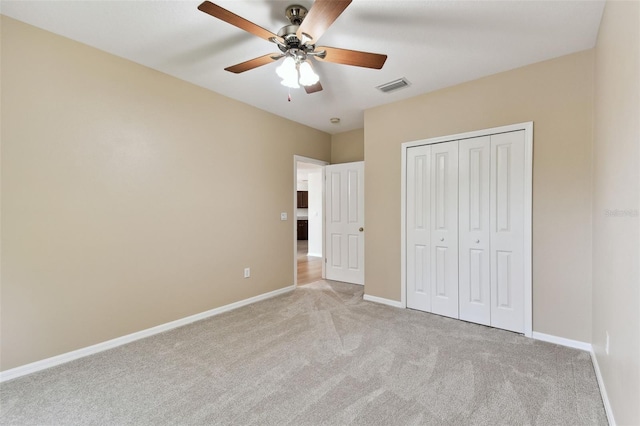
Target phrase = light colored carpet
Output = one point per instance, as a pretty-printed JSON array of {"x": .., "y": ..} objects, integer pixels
[{"x": 317, "y": 356}]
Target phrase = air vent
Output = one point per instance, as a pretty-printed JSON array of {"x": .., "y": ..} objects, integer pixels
[{"x": 393, "y": 85}]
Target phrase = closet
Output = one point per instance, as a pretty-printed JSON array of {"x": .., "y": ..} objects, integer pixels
[{"x": 465, "y": 221}]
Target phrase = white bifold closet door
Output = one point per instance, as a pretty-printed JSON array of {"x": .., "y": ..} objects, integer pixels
[
  {"x": 418, "y": 240},
  {"x": 465, "y": 229},
  {"x": 474, "y": 212},
  {"x": 507, "y": 231},
  {"x": 491, "y": 221},
  {"x": 432, "y": 228},
  {"x": 444, "y": 229}
]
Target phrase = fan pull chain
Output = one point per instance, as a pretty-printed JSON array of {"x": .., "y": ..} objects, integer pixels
[{"x": 289, "y": 97}]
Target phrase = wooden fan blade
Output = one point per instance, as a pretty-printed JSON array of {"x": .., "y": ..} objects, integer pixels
[
  {"x": 233, "y": 19},
  {"x": 313, "y": 89},
  {"x": 352, "y": 57},
  {"x": 253, "y": 63},
  {"x": 322, "y": 14}
]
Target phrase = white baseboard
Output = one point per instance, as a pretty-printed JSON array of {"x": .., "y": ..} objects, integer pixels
[
  {"x": 576, "y": 344},
  {"x": 123, "y": 340},
  {"x": 383, "y": 301},
  {"x": 314, "y": 254},
  {"x": 603, "y": 390}
]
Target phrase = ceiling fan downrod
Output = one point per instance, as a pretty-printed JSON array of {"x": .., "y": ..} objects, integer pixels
[{"x": 296, "y": 14}]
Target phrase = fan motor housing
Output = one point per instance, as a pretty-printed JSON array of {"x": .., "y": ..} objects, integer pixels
[
  {"x": 291, "y": 40},
  {"x": 288, "y": 32}
]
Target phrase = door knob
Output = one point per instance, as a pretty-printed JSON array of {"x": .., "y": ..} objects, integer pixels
[
  {"x": 361, "y": 229},
  {"x": 441, "y": 239},
  {"x": 477, "y": 241}
]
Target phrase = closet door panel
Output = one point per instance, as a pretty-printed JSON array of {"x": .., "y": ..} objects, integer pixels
[
  {"x": 507, "y": 231},
  {"x": 474, "y": 235},
  {"x": 418, "y": 187},
  {"x": 444, "y": 229}
]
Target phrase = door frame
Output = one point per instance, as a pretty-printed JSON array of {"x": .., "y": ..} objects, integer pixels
[
  {"x": 528, "y": 199},
  {"x": 296, "y": 159}
]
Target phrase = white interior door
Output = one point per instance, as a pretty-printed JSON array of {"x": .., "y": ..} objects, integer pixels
[
  {"x": 444, "y": 229},
  {"x": 507, "y": 231},
  {"x": 418, "y": 187},
  {"x": 474, "y": 255},
  {"x": 345, "y": 222}
]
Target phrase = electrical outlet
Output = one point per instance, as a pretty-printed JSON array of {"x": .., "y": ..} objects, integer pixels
[
  {"x": 283, "y": 216},
  {"x": 247, "y": 272},
  {"x": 606, "y": 346}
]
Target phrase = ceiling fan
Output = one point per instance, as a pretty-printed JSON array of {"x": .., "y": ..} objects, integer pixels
[{"x": 297, "y": 43}]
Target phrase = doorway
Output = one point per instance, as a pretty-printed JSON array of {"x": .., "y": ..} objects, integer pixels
[{"x": 308, "y": 220}]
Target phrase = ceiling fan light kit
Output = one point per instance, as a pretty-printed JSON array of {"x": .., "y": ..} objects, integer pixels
[
  {"x": 295, "y": 43},
  {"x": 296, "y": 69}
]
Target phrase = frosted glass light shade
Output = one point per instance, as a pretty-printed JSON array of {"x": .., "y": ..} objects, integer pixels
[
  {"x": 307, "y": 76},
  {"x": 293, "y": 72},
  {"x": 287, "y": 69},
  {"x": 290, "y": 82}
]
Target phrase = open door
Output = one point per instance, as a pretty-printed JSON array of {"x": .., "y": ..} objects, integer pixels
[{"x": 344, "y": 205}]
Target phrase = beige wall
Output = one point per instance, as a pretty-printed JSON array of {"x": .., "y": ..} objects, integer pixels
[
  {"x": 557, "y": 95},
  {"x": 131, "y": 198},
  {"x": 347, "y": 147},
  {"x": 616, "y": 186}
]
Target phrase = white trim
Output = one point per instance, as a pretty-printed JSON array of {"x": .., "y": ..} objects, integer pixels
[
  {"x": 403, "y": 227},
  {"x": 528, "y": 125},
  {"x": 528, "y": 228},
  {"x": 314, "y": 254},
  {"x": 310, "y": 160},
  {"x": 382, "y": 301},
  {"x": 576, "y": 344},
  {"x": 603, "y": 390},
  {"x": 528, "y": 200},
  {"x": 33, "y": 367}
]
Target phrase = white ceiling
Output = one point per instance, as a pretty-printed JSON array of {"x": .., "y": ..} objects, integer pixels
[{"x": 434, "y": 44}]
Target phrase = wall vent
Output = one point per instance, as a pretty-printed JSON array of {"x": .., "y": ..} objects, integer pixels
[{"x": 393, "y": 85}]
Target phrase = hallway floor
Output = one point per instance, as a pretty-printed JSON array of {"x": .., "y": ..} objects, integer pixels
[{"x": 309, "y": 267}]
